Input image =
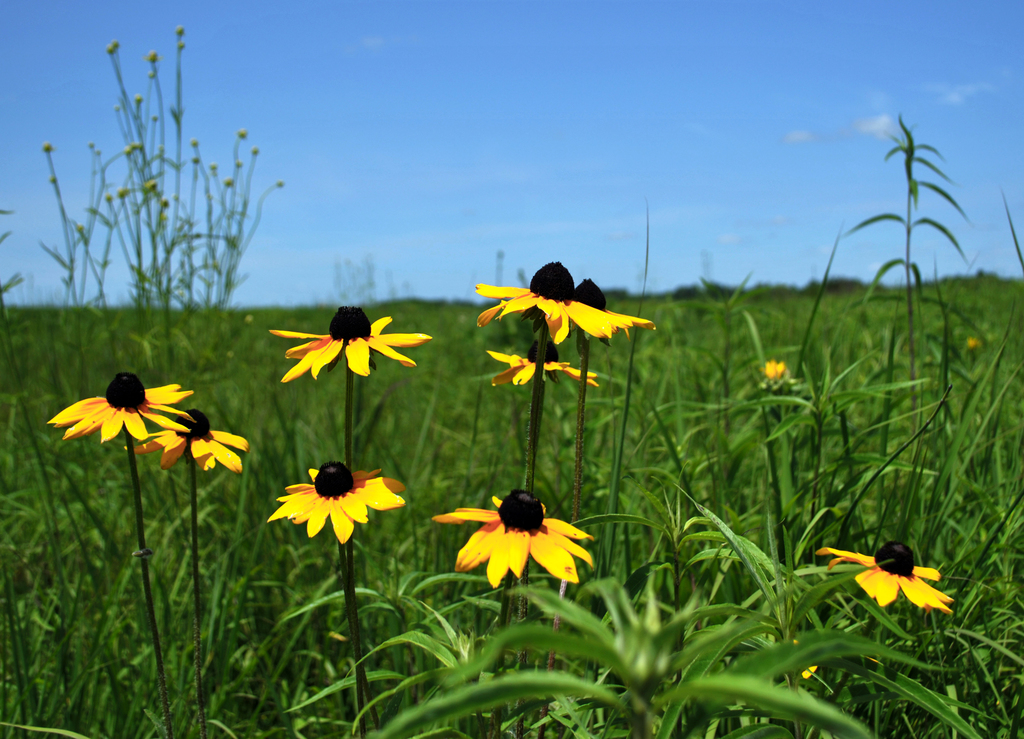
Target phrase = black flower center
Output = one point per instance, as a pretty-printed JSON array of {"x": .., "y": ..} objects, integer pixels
[
  {"x": 553, "y": 282},
  {"x": 334, "y": 479},
  {"x": 349, "y": 323},
  {"x": 551, "y": 356},
  {"x": 901, "y": 559},
  {"x": 126, "y": 391},
  {"x": 520, "y": 510},
  {"x": 197, "y": 428},
  {"x": 590, "y": 294}
]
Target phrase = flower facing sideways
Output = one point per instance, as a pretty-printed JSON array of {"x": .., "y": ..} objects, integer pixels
[
  {"x": 891, "y": 570},
  {"x": 206, "y": 445},
  {"x": 522, "y": 369},
  {"x": 551, "y": 292},
  {"x": 775, "y": 370},
  {"x": 352, "y": 332},
  {"x": 340, "y": 494},
  {"x": 125, "y": 404},
  {"x": 514, "y": 533}
]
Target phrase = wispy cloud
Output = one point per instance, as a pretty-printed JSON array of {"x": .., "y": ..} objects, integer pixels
[
  {"x": 374, "y": 44},
  {"x": 729, "y": 239},
  {"x": 800, "y": 137},
  {"x": 880, "y": 126},
  {"x": 621, "y": 235},
  {"x": 958, "y": 94}
]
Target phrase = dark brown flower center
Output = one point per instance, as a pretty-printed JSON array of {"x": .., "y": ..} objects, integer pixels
[
  {"x": 520, "y": 510},
  {"x": 349, "y": 323},
  {"x": 553, "y": 281},
  {"x": 896, "y": 559},
  {"x": 126, "y": 391},
  {"x": 197, "y": 428},
  {"x": 590, "y": 294},
  {"x": 550, "y": 356},
  {"x": 333, "y": 480}
]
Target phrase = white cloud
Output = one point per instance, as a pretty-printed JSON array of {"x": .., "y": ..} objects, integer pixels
[
  {"x": 880, "y": 126},
  {"x": 800, "y": 137},
  {"x": 958, "y": 94},
  {"x": 621, "y": 235},
  {"x": 729, "y": 239}
]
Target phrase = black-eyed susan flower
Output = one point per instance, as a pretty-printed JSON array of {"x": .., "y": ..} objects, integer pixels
[
  {"x": 125, "y": 404},
  {"x": 206, "y": 445},
  {"x": 340, "y": 494},
  {"x": 891, "y": 570},
  {"x": 522, "y": 369},
  {"x": 552, "y": 292},
  {"x": 352, "y": 332},
  {"x": 514, "y": 533}
]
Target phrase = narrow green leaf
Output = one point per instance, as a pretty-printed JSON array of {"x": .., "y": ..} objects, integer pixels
[
  {"x": 345, "y": 683},
  {"x": 949, "y": 198},
  {"x": 606, "y": 518},
  {"x": 876, "y": 219},
  {"x": 756, "y": 562},
  {"x": 42, "y": 730},
  {"x": 760, "y": 731},
  {"x": 943, "y": 230},
  {"x": 446, "y": 578}
]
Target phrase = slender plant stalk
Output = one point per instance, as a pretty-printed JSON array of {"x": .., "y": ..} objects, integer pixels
[
  {"x": 348, "y": 556},
  {"x": 196, "y": 599},
  {"x": 536, "y": 407},
  {"x": 910, "y": 306},
  {"x": 144, "y": 554}
]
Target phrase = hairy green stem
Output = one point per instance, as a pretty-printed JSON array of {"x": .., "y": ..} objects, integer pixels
[
  {"x": 196, "y": 599},
  {"x": 144, "y": 554},
  {"x": 536, "y": 407},
  {"x": 581, "y": 404}
]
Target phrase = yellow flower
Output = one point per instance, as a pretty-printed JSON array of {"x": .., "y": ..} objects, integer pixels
[
  {"x": 126, "y": 403},
  {"x": 551, "y": 292},
  {"x": 891, "y": 570},
  {"x": 522, "y": 368},
  {"x": 206, "y": 445},
  {"x": 973, "y": 344},
  {"x": 350, "y": 330},
  {"x": 340, "y": 494},
  {"x": 775, "y": 370},
  {"x": 513, "y": 533}
]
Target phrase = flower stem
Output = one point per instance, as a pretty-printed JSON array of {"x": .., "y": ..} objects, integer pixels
[
  {"x": 348, "y": 556},
  {"x": 536, "y": 407},
  {"x": 581, "y": 404},
  {"x": 144, "y": 554},
  {"x": 196, "y": 599}
]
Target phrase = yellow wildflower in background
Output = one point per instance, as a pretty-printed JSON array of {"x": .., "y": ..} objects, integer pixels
[
  {"x": 552, "y": 292},
  {"x": 973, "y": 344},
  {"x": 126, "y": 403},
  {"x": 340, "y": 494},
  {"x": 891, "y": 570},
  {"x": 514, "y": 533},
  {"x": 350, "y": 331},
  {"x": 775, "y": 370},
  {"x": 206, "y": 445},
  {"x": 522, "y": 369}
]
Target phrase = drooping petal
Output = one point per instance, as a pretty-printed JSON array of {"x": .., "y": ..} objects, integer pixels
[
  {"x": 552, "y": 557},
  {"x": 625, "y": 321},
  {"x": 924, "y": 595},
  {"x": 90, "y": 424},
  {"x": 558, "y": 321},
  {"x": 377, "y": 326},
  {"x": 223, "y": 455},
  {"x": 879, "y": 584},
  {"x": 498, "y": 293},
  {"x": 595, "y": 322},
  {"x": 230, "y": 439},
  {"x": 376, "y": 343},
  {"x": 568, "y": 545},
  {"x": 518, "y": 550},
  {"x": 135, "y": 425},
  {"x": 488, "y": 315},
  {"x": 506, "y": 358},
  {"x": 358, "y": 354},
  {"x": 297, "y": 334},
  {"x": 150, "y": 446},
  {"x": 166, "y": 394},
  {"x": 844, "y": 556},
  {"x": 317, "y": 517},
  {"x": 343, "y": 526},
  {"x": 478, "y": 548},
  {"x": 927, "y": 572},
  {"x": 172, "y": 451},
  {"x": 112, "y": 426},
  {"x": 301, "y": 367},
  {"x": 298, "y": 352},
  {"x": 302, "y": 487},
  {"x": 461, "y": 515},
  {"x": 525, "y": 374},
  {"x": 503, "y": 378},
  {"x": 575, "y": 374},
  {"x": 294, "y": 505},
  {"x": 78, "y": 411},
  {"x": 354, "y": 507},
  {"x": 519, "y": 304},
  {"x": 565, "y": 529},
  {"x": 498, "y": 565},
  {"x": 378, "y": 495},
  {"x": 325, "y": 356},
  {"x": 162, "y": 421}
]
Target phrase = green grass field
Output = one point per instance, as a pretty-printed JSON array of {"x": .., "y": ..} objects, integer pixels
[{"x": 823, "y": 461}]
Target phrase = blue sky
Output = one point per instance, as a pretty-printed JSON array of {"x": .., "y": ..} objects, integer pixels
[{"x": 424, "y": 137}]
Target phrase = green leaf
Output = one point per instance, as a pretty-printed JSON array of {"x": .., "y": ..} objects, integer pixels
[
  {"x": 876, "y": 219},
  {"x": 442, "y": 734},
  {"x": 1013, "y": 232},
  {"x": 947, "y": 196},
  {"x": 404, "y": 685},
  {"x": 779, "y": 701},
  {"x": 448, "y": 577},
  {"x": 760, "y": 731},
  {"x": 344, "y": 683},
  {"x": 878, "y": 278},
  {"x": 818, "y": 593},
  {"x": 605, "y": 518},
  {"x": 42, "y": 730},
  {"x": 499, "y": 691},
  {"x": 935, "y": 703},
  {"x": 669, "y": 719},
  {"x": 943, "y": 230},
  {"x": 932, "y": 167},
  {"x": 756, "y": 562},
  {"x": 424, "y": 642}
]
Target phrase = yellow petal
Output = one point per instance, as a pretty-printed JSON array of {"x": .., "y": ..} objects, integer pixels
[
  {"x": 478, "y": 548},
  {"x": 404, "y": 340},
  {"x": 927, "y": 572},
  {"x": 354, "y": 507},
  {"x": 224, "y": 455},
  {"x": 498, "y": 566},
  {"x": 358, "y": 354},
  {"x": 525, "y": 374},
  {"x": 518, "y": 550},
  {"x": 377, "y": 326},
  {"x": 552, "y": 557},
  {"x": 595, "y": 322},
  {"x": 376, "y": 343},
  {"x": 461, "y": 515},
  {"x": 503, "y": 378},
  {"x": 112, "y": 426},
  {"x": 90, "y": 424},
  {"x": 568, "y": 545},
  {"x": 78, "y": 411},
  {"x": 325, "y": 356},
  {"x": 844, "y": 556},
  {"x": 879, "y": 584},
  {"x": 297, "y": 335},
  {"x": 294, "y": 505},
  {"x": 298, "y": 352},
  {"x": 488, "y": 315},
  {"x": 565, "y": 529},
  {"x": 924, "y": 595},
  {"x": 506, "y": 358},
  {"x": 317, "y": 518},
  {"x": 301, "y": 367},
  {"x": 172, "y": 451},
  {"x": 166, "y": 394},
  {"x": 225, "y": 438},
  {"x": 161, "y": 421},
  {"x": 343, "y": 526},
  {"x": 377, "y": 495},
  {"x": 491, "y": 291}
]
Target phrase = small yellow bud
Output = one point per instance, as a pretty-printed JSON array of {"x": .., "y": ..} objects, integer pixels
[
  {"x": 138, "y": 99},
  {"x": 152, "y": 57},
  {"x": 152, "y": 74},
  {"x": 181, "y": 45},
  {"x": 180, "y": 31},
  {"x": 117, "y": 108},
  {"x": 52, "y": 179},
  {"x": 228, "y": 181},
  {"x": 164, "y": 202},
  {"x": 973, "y": 344},
  {"x": 238, "y": 163},
  {"x": 129, "y": 149},
  {"x": 108, "y": 197},
  {"x": 195, "y": 160},
  {"x": 213, "y": 166},
  {"x": 113, "y": 46},
  {"x": 80, "y": 228},
  {"x": 47, "y": 147},
  {"x": 122, "y": 192},
  {"x": 149, "y": 185},
  {"x": 92, "y": 145},
  {"x": 280, "y": 183},
  {"x": 242, "y": 133},
  {"x": 255, "y": 150}
]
